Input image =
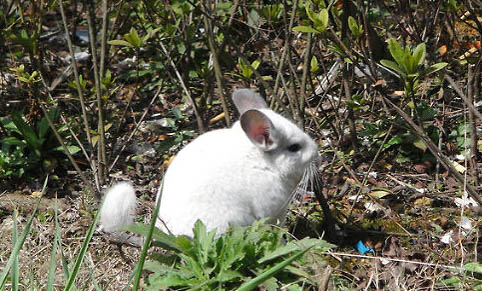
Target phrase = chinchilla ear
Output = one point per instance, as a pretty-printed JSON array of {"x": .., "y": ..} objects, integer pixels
[
  {"x": 259, "y": 129},
  {"x": 245, "y": 99}
]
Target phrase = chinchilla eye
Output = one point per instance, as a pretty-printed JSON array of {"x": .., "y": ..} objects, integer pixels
[{"x": 294, "y": 147}]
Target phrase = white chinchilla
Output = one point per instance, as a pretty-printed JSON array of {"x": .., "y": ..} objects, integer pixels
[{"x": 236, "y": 175}]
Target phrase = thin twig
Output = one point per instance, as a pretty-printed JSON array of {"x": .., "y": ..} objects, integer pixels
[
  {"x": 135, "y": 129},
  {"x": 434, "y": 150},
  {"x": 285, "y": 49},
  {"x": 76, "y": 74},
  {"x": 101, "y": 156},
  {"x": 199, "y": 120},
  {"x": 393, "y": 260},
  {"x": 472, "y": 78},
  {"x": 304, "y": 77},
  {"x": 67, "y": 152},
  {"x": 462, "y": 95},
  {"x": 217, "y": 68}
]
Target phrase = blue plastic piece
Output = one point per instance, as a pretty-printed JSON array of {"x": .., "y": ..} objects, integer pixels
[{"x": 362, "y": 249}]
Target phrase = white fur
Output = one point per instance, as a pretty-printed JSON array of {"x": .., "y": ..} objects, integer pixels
[
  {"x": 223, "y": 177},
  {"x": 119, "y": 207}
]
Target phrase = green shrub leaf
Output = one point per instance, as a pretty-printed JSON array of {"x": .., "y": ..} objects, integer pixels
[
  {"x": 303, "y": 28},
  {"x": 394, "y": 66},
  {"x": 473, "y": 267},
  {"x": 434, "y": 68},
  {"x": 28, "y": 133},
  {"x": 120, "y": 42}
]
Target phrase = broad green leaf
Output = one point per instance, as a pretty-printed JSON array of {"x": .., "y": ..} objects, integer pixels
[
  {"x": 320, "y": 20},
  {"x": 119, "y": 42},
  {"x": 203, "y": 240},
  {"x": 133, "y": 38},
  {"x": 9, "y": 141},
  {"x": 473, "y": 267},
  {"x": 228, "y": 275},
  {"x": 419, "y": 54},
  {"x": 434, "y": 68},
  {"x": 160, "y": 238},
  {"x": 8, "y": 125},
  {"x": 184, "y": 243},
  {"x": 323, "y": 17},
  {"x": 354, "y": 27},
  {"x": 294, "y": 246},
  {"x": 401, "y": 158},
  {"x": 71, "y": 148},
  {"x": 302, "y": 28},
  {"x": 451, "y": 281},
  {"x": 270, "y": 285},
  {"x": 394, "y": 66},
  {"x": 394, "y": 141},
  {"x": 398, "y": 54},
  {"x": 311, "y": 14},
  {"x": 253, "y": 283},
  {"x": 418, "y": 143},
  {"x": 27, "y": 133},
  {"x": 150, "y": 33},
  {"x": 255, "y": 64},
  {"x": 314, "y": 67},
  {"x": 172, "y": 280},
  {"x": 43, "y": 126}
]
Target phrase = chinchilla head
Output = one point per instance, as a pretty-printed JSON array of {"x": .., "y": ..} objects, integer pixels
[{"x": 282, "y": 144}]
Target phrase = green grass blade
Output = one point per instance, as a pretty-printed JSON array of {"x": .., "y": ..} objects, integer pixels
[
  {"x": 17, "y": 246},
  {"x": 250, "y": 285},
  {"x": 30, "y": 277},
  {"x": 15, "y": 268},
  {"x": 94, "y": 281},
  {"x": 83, "y": 250},
  {"x": 145, "y": 247},
  {"x": 51, "y": 275},
  {"x": 65, "y": 267}
]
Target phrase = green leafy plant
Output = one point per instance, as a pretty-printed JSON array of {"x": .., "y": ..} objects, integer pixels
[
  {"x": 355, "y": 29},
  {"x": 457, "y": 283},
  {"x": 246, "y": 71},
  {"x": 319, "y": 21},
  {"x": 314, "y": 66},
  {"x": 177, "y": 134},
  {"x": 25, "y": 147},
  {"x": 461, "y": 137},
  {"x": 132, "y": 39},
  {"x": 28, "y": 41},
  {"x": 24, "y": 76},
  {"x": 272, "y": 12},
  {"x": 82, "y": 82},
  {"x": 408, "y": 146},
  {"x": 253, "y": 254},
  {"x": 408, "y": 64}
]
